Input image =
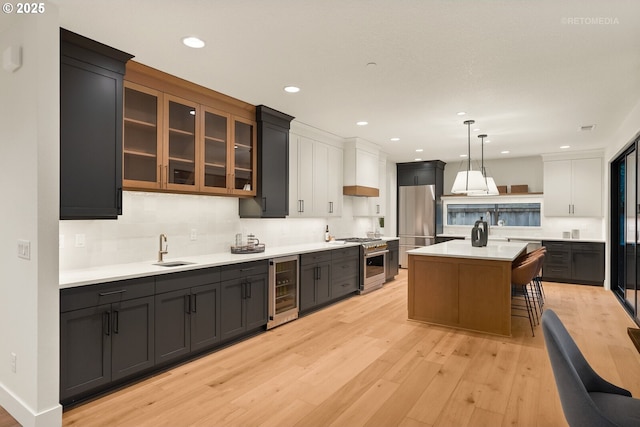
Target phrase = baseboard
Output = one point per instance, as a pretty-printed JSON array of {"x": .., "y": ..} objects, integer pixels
[{"x": 25, "y": 416}]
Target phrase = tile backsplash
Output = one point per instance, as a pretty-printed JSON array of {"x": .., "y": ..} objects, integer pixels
[{"x": 213, "y": 221}]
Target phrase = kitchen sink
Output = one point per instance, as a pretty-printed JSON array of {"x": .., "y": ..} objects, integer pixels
[{"x": 173, "y": 263}]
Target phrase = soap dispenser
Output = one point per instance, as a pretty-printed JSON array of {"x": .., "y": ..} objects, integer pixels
[{"x": 327, "y": 237}]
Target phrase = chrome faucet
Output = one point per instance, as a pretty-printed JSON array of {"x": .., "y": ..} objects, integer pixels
[{"x": 163, "y": 237}]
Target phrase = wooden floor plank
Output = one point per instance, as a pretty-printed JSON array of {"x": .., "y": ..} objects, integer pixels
[{"x": 361, "y": 362}]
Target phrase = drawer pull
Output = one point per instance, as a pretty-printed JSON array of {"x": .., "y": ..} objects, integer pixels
[{"x": 104, "y": 294}]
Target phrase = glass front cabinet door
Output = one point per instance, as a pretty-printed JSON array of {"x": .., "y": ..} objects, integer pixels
[
  {"x": 216, "y": 140},
  {"x": 180, "y": 148},
  {"x": 244, "y": 159},
  {"x": 142, "y": 137}
]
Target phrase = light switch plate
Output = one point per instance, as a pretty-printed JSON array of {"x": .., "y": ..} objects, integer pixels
[{"x": 24, "y": 249}]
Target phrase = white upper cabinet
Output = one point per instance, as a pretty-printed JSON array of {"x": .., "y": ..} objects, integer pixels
[
  {"x": 315, "y": 183},
  {"x": 573, "y": 187}
]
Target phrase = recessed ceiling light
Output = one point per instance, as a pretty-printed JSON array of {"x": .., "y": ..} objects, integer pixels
[
  {"x": 193, "y": 42},
  {"x": 463, "y": 155},
  {"x": 417, "y": 159},
  {"x": 461, "y": 113},
  {"x": 505, "y": 152},
  {"x": 587, "y": 128},
  {"x": 362, "y": 123},
  {"x": 394, "y": 139},
  {"x": 564, "y": 147},
  {"x": 419, "y": 150},
  {"x": 476, "y": 129},
  {"x": 486, "y": 141},
  {"x": 292, "y": 89}
]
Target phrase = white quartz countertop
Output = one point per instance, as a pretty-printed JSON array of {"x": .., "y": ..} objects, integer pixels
[
  {"x": 109, "y": 273},
  {"x": 495, "y": 251}
]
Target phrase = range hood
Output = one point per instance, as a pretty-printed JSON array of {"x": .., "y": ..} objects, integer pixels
[{"x": 360, "y": 168}]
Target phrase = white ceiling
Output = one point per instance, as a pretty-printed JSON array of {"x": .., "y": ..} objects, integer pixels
[{"x": 529, "y": 72}]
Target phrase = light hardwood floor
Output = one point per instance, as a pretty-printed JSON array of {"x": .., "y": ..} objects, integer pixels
[{"x": 362, "y": 363}]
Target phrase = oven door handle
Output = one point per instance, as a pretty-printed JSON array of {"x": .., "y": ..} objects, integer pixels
[{"x": 372, "y": 254}]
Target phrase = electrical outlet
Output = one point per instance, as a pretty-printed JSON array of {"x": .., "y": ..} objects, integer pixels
[
  {"x": 24, "y": 249},
  {"x": 194, "y": 234},
  {"x": 80, "y": 240},
  {"x": 14, "y": 362}
]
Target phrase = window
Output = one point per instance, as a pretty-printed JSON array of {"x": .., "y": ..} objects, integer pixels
[{"x": 506, "y": 214}]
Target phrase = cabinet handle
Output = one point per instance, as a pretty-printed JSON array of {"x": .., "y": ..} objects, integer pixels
[
  {"x": 116, "y": 321},
  {"x": 247, "y": 269},
  {"x": 194, "y": 303},
  {"x": 104, "y": 294},
  {"x": 166, "y": 175},
  {"x": 160, "y": 175},
  {"x": 248, "y": 289},
  {"x": 318, "y": 273},
  {"x": 106, "y": 323},
  {"x": 119, "y": 201},
  {"x": 264, "y": 204},
  {"x": 377, "y": 209},
  {"x": 301, "y": 206},
  {"x": 187, "y": 304},
  {"x": 243, "y": 291},
  {"x": 330, "y": 207}
]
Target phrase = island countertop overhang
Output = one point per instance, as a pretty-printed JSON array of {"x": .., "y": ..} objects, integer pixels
[{"x": 496, "y": 251}]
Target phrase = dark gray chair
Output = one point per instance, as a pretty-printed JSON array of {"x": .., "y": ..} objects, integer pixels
[{"x": 587, "y": 399}]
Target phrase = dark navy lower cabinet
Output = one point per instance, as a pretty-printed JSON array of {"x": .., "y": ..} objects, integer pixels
[
  {"x": 244, "y": 298},
  {"x": 106, "y": 334},
  {"x": 187, "y": 313}
]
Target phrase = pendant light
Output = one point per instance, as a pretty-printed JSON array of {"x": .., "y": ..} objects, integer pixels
[
  {"x": 469, "y": 181},
  {"x": 492, "y": 189}
]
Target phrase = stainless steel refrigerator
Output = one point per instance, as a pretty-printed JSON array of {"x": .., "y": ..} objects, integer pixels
[{"x": 416, "y": 218}]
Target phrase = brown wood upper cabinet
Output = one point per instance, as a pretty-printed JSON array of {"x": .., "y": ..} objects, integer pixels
[{"x": 181, "y": 137}]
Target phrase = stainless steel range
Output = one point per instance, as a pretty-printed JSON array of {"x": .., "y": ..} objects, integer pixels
[{"x": 373, "y": 255}]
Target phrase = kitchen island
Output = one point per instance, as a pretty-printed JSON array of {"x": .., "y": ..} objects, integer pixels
[{"x": 455, "y": 284}]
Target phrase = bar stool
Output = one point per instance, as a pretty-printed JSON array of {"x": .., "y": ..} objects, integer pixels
[{"x": 522, "y": 276}]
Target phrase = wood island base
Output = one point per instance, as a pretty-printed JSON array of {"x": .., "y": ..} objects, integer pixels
[{"x": 471, "y": 294}]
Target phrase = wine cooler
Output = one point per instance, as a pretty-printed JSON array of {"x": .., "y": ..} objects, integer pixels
[{"x": 283, "y": 290}]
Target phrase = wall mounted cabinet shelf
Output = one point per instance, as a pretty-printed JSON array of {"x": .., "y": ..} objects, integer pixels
[{"x": 181, "y": 137}]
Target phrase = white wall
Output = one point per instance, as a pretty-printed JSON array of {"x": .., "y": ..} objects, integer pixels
[{"x": 29, "y": 129}]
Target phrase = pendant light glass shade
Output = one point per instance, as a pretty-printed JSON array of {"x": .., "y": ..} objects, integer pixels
[
  {"x": 492, "y": 188},
  {"x": 469, "y": 181}
]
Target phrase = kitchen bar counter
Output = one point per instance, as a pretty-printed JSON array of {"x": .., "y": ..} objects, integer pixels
[
  {"x": 458, "y": 285},
  {"x": 108, "y": 273}
]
